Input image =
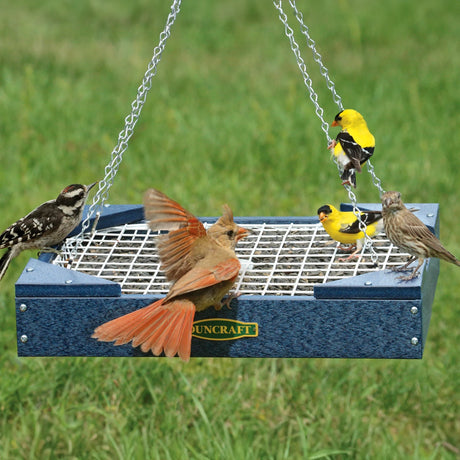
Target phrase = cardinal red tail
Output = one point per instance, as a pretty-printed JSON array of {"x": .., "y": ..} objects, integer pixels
[{"x": 156, "y": 327}]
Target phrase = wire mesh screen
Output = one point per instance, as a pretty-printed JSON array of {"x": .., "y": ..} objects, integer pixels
[{"x": 281, "y": 259}]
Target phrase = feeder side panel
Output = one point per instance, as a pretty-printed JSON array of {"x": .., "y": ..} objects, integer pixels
[
  {"x": 298, "y": 327},
  {"x": 428, "y": 292}
]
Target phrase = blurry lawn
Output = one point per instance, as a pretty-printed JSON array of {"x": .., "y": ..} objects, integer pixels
[{"x": 228, "y": 120}]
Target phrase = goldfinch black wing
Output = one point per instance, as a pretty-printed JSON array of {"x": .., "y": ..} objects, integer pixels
[
  {"x": 354, "y": 151},
  {"x": 367, "y": 217}
]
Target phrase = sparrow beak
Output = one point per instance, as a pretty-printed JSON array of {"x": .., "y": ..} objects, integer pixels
[
  {"x": 334, "y": 123},
  {"x": 386, "y": 202},
  {"x": 242, "y": 233}
]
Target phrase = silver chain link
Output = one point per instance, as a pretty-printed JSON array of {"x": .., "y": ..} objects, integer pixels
[
  {"x": 316, "y": 56},
  {"x": 318, "y": 109},
  {"x": 124, "y": 136},
  {"x": 375, "y": 180},
  {"x": 303, "y": 69}
]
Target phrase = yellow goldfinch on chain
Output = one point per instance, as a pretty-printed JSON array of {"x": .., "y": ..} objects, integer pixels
[
  {"x": 353, "y": 146},
  {"x": 343, "y": 226}
]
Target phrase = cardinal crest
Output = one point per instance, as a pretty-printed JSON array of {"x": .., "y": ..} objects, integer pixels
[{"x": 227, "y": 216}]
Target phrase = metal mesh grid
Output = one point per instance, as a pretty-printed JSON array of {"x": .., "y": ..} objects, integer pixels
[{"x": 281, "y": 259}]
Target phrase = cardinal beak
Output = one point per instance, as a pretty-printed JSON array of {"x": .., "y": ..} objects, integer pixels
[
  {"x": 242, "y": 233},
  {"x": 322, "y": 216},
  {"x": 334, "y": 123}
]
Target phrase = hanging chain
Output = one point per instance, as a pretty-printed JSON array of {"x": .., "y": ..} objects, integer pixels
[
  {"x": 303, "y": 69},
  {"x": 330, "y": 84},
  {"x": 375, "y": 180},
  {"x": 123, "y": 137},
  {"x": 316, "y": 56},
  {"x": 318, "y": 109}
]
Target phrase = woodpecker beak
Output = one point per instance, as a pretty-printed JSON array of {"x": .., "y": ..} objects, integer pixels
[
  {"x": 89, "y": 187},
  {"x": 322, "y": 216},
  {"x": 334, "y": 123},
  {"x": 242, "y": 233}
]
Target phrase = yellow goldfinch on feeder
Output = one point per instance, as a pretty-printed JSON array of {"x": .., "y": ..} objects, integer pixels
[
  {"x": 343, "y": 227},
  {"x": 353, "y": 146}
]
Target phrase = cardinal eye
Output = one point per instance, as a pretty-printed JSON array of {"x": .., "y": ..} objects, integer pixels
[{"x": 230, "y": 233}]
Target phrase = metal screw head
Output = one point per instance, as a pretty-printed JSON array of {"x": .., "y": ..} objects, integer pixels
[
  {"x": 68, "y": 281},
  {"x": 414, "y": 341},
  {"x": 368, "y": 283},
  {"x": 29, "y": 269},
  {"x": 430, "y": 214},
  {"x": 414, "y": 310},
  {"x": 24, "y": 338},
  {"x": 23, "y": 307}
]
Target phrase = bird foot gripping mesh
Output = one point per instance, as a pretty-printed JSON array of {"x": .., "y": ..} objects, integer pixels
[{"x": 281, "y": 259}]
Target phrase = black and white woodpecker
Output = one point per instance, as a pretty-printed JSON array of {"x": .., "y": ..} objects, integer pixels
[{"x": 45, "y": 226}]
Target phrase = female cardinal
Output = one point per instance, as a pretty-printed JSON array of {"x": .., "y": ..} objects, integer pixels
[{"x": 202, "y": 266}]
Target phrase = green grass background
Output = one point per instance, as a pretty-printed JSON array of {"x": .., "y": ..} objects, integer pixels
[{"x": 229, "y": 120}]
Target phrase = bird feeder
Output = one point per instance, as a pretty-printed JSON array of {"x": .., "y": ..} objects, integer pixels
[{"x": 297, "y": 299}]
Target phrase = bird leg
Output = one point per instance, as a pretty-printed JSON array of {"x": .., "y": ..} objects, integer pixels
[
  {"x": 47, "y": 249},
  {"x": 332, "y": 144},
  {"x": 353, "y": 255},
  {"x": 414, "y": 273},
  {"x": 350, "y": 248},
  {"x": 404, "y": 268},
  {"x": 226, "y": 302},
  {"x": 347, "y": 248},
  {"x": 356, "y": 248}
]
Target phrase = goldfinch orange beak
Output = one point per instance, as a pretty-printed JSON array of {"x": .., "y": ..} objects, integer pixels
[
  {"x": 322, "y": 216},
  {"x": 334, "y": 123}
]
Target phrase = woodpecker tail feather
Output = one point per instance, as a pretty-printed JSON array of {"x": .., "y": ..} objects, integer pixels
[
  {"x": 5, "y": 261},
  {"x": 158, "y": 327}
]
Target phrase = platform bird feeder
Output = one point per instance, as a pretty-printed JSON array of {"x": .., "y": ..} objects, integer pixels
[{"x": 297, "y": 299}]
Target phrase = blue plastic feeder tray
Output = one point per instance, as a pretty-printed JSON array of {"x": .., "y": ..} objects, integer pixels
[{"x": 297, "y": 299}]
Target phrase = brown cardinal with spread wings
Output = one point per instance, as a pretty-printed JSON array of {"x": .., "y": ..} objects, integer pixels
[{"x": 202, "y": 266}]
